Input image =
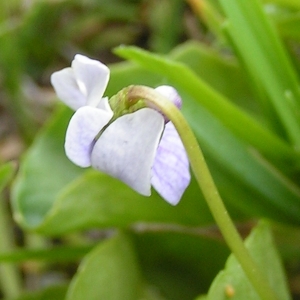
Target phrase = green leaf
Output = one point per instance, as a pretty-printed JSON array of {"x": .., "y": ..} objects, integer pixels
[
  {"x": 109, "y": 272},
  {"x": 60, "y": 253},
  {"x": 232, "y": 280},
  {"x": 181, "y": 265},
  {"x": 97, "y": 200},
  {"x": 239, "y": 122},
  {"x": 44, "y": 171},
  {"x": 289, "y": 26},
  {"x": 219, "y": 72},
  {"x": 295, "y": 4},
  {"x": 6, "y": 174},
  {"x": 49, "y": 293},
  {"x": 151, "y": 293},
  {"x": 10, "y": 277},
  {"x": 125, "y": 73},
  {"x": 244, "y": 179},
  {"x": 261, "y": 51},
  {"x": 239, "y": 174}
]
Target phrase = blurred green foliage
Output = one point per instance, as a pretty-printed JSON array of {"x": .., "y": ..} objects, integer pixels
[{"x": 236, "y": 65}]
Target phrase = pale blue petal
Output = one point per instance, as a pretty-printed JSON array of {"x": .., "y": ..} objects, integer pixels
[
  {"x": 84, "y": 126},
  {"x": 127, "y": 147},
  {"x": 171, "y": 94},
  {"x": 170, "y": 172},
  {"x": 92, "y": 77},
  {"x": 67, "y": 89}
]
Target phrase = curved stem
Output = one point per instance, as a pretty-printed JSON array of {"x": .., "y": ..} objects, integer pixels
[{"x": 207, "y": 185}]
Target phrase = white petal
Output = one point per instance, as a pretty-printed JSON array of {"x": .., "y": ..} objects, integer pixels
[
  {"x": 84, "y": 126},
  {"x": 170, "y": 172},
  {"x": 92, "y": 77},
  {"x": 67, "y": 89},
  {"x": 127, "y": 147},
  {"x": 104, "y": 104}
]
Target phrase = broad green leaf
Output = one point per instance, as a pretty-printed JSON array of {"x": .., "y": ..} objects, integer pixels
[
  {"x": 288, "y": 243},
  {"x": 109, "y": 272},
  {"x": 43, "y": 172},
  {"x": 232, "y": 280},
  {"x": 151, "y": 293},
  {"x": 49, "y": 293},
  {"x": 97, "y": 200},
  {"x": 179, "y": 264}
]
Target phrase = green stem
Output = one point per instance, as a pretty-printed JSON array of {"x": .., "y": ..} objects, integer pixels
[
  {"x": 53, "y": 254},
  {"x": 207, "y": 185},
  {"x": 10, "y": 278}
]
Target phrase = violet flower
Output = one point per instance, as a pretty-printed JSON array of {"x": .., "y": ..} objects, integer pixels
[{"x": 140, "y": 148}]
